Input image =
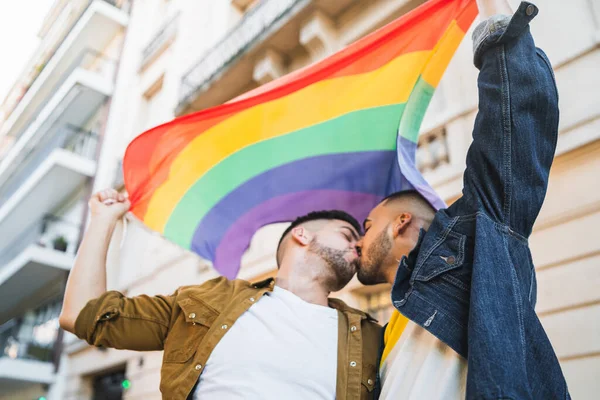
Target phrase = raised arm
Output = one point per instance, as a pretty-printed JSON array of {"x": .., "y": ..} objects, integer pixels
[
  {"x": 516, "y": 128},
  {"x": 109, "y": 318},
  {"x": 87, "y": 279}
]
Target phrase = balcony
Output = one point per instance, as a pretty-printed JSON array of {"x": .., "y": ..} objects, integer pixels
[
  {"x": 79, "y": 93},
  {"x": 96, "y": 26},
  {"x": 34, "y": 264},
  {"x": 27, "y": 348},
  {"x": 160, "y": 42},
  {"x": 42, "y": 176},
  {"x": 258, "y": 22},
  {"x": 81, "y": 90},
  {"x": 256, "y": 49}
]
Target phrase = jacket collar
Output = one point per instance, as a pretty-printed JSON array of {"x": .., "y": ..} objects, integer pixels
[
  {"x": 343, "y": 307},
  {"x": 267, "y": 283}
]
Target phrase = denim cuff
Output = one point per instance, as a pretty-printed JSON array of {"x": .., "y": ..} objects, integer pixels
[{"x": 500, "y": 29}]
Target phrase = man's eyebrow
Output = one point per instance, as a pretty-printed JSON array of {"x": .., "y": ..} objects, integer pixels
[
  {"x": 365, "y": 223},
  {"x": 354, "y": 235}
]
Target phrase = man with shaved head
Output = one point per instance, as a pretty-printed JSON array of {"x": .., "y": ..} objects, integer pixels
[{"x": 463, "y": 280}]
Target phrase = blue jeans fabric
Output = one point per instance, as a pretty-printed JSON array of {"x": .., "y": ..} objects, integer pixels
[{"x": 471, "y": 281}]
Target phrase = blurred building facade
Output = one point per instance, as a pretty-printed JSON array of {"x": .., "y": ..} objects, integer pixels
[
  {"x": 52, "y": 126},
  {"x": 180, "y": 56}
]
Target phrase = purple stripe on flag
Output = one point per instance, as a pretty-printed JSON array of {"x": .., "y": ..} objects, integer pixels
[{"x": 406, "y": 162}]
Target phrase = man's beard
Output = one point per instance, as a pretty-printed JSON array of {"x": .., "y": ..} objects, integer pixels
[
  {"x": 369, "y": 272},
  {"x": 343, "y": 270}
]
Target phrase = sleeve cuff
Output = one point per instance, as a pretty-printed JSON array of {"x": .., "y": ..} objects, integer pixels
[
  {"x": 485, "y": 29},
  {"x": 500, "y": 29}
]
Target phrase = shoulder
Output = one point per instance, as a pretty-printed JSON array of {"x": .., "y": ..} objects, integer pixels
[{"x": 218, "y": 287}]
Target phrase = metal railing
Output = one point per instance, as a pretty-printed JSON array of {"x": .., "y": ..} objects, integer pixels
[
  {"x": 32, "y": 336},
  {"x": 160, "y": 39},
  {"x": 49, "y": 232},
  {"x": 71, "y": 138},
  {"x": 88, "y": 59},
  {"x": 254, "y": 24}
]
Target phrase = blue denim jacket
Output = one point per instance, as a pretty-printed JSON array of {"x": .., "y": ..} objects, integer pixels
[{"x": 471, "y": 281}]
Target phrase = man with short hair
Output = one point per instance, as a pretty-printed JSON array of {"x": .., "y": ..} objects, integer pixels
[
  {"x": 282, "y": 339},
  {"x": 463, "y": 281}
]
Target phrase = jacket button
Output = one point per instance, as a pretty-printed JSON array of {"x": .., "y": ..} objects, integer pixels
[
  {"x": 252, "y": 299},
  {"x": 353, "y": 363},
  {"x": 198, "y": 367},
  {"x": 223, "y": 326},
  {"x": 192, "y": 315},
  {"x": 370, "y": 381},
  {"x": 451, "y": 260},
  {"x": 529, "y": 10},
  {"x": 353, "y": 328}
]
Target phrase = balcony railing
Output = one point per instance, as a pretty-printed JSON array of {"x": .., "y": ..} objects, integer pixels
[
  {"x": 49, "y": 232},
  {"x": 89, "y": 60},
  {"x": 20, "y": 90},
  {"x": 164, "y": 36},
  {"x": 73, "y": 139},
  {"x": 32, "y": 336},
  {"x": 258, "y": 20}
]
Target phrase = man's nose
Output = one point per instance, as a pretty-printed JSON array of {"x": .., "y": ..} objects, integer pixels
[{"x": 358, "y": 246}]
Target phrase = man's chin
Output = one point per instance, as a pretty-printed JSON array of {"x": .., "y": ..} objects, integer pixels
[{"x": 366, "y": 278}]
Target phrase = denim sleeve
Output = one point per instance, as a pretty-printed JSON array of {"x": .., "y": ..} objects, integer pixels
[{"x": 516, "y": 128}]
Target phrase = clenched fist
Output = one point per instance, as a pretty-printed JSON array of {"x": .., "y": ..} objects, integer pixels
[{"x": 108, "y": 204}]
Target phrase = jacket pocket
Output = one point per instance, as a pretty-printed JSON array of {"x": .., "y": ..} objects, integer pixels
[
  {"x": 369, "y": 374},
  {"x": 188, "y": 330},
  {"x": 446, "y": 255}
]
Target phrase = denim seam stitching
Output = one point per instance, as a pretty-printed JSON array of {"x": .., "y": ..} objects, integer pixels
[
  {"x": 454, "y": 281},
  {"x": 435, "y": 246},
  {"x": 445, "y": 314},
  {"x": 461, "y": 255},
  {"x": 450, "y": 292},
  {"x": 515, "y": 288},
  {"x": 531, "y": 278},
  {"x": 505, "y": 228},
  {"x": 447, "y": 232},
  {"x": 506, "y": 138}
]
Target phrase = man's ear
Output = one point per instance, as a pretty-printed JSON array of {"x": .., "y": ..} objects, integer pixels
[
  {"x": 401, "y": 222},
  {"x": 301, "y": 236}
]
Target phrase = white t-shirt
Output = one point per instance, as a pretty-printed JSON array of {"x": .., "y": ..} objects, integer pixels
[
  {"x": 417, "y": 365},
  {"x": 281, "y": 348}
]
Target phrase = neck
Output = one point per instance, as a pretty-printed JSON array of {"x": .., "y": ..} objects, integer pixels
[
  {"x": 304, "y": 286},
  {"x": 391, "y": 272},
  {"x": 401, "y": 250}
]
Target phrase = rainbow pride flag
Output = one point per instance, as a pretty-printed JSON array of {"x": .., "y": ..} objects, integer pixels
[{"x": 338, "y": 134}]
